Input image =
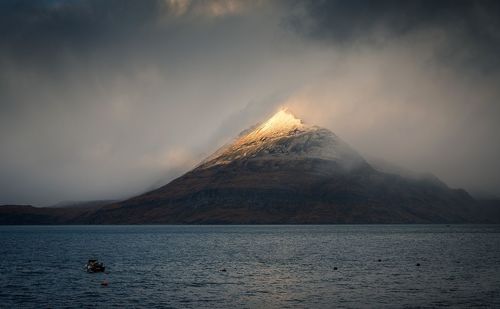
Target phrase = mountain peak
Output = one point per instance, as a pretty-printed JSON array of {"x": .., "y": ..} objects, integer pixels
[
  {"x": 284, "y": 137},
  {"x": 281, "y": 123},
  {"x": 282, "y": 120}
]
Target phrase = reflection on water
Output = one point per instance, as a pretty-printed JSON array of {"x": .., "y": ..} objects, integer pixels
[{"x": 266, "y": 266}]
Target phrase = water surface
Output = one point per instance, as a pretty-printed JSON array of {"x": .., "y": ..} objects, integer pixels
[{"x": 266, "y": 266}]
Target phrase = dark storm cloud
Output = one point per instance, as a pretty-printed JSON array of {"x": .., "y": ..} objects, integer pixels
[
  {"x": 348, "y": 20},
  {"x": 39, "y": 31},
  {"x": 473, "y": 27}
]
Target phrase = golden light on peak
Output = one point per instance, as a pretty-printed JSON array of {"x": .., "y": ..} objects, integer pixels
[
  {"x": 281, "y": 120},
  {"x": 279, "y": 124}
]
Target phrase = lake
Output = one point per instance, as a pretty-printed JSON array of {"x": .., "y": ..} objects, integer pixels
[{"x": 291, "y": 266}]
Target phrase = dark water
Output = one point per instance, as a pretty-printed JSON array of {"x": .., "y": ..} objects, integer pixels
[{"x": 267, "y": 266}]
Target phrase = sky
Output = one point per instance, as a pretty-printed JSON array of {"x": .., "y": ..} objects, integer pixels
[{"x": 107, "y": 99}]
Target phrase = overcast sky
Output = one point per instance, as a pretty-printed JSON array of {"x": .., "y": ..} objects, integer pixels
[{"x": 105, "y": 99}]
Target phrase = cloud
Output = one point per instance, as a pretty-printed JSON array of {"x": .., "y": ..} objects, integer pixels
[
  {"x": 103, "y": 100},
  {"x": 215, "y": 8},
  {"x": 469, "y": 27}
]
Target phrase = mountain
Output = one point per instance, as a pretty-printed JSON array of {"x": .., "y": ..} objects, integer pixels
[
  {"x": 27, "y": 214},
  {"x": 285, "y": 171},
  {"x": 82, "y": 204},
  {"x": 282, "y": 171}
]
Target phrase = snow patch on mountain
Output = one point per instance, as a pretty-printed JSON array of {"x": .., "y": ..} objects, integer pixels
[{"x": 285, "y": 136}]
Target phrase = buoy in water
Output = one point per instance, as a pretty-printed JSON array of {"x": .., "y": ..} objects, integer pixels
[
  {"x": 418, "y": 264},
  {"x": 379, "y": 260},
  {"x": 335, "y": 268}
]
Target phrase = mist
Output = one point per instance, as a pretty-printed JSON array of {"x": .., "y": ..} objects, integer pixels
[{"x": 107, "y": 100}]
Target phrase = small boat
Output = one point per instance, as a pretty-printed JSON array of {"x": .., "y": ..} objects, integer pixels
[{"x": 94, "y": 267}]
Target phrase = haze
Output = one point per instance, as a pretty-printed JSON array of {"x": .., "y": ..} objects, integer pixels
[{"x": 104, "y": 100}]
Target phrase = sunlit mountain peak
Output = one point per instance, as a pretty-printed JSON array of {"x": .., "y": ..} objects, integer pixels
[
  {"x": 281, "y": 123},
  {"x": 283, "y": 119}
]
